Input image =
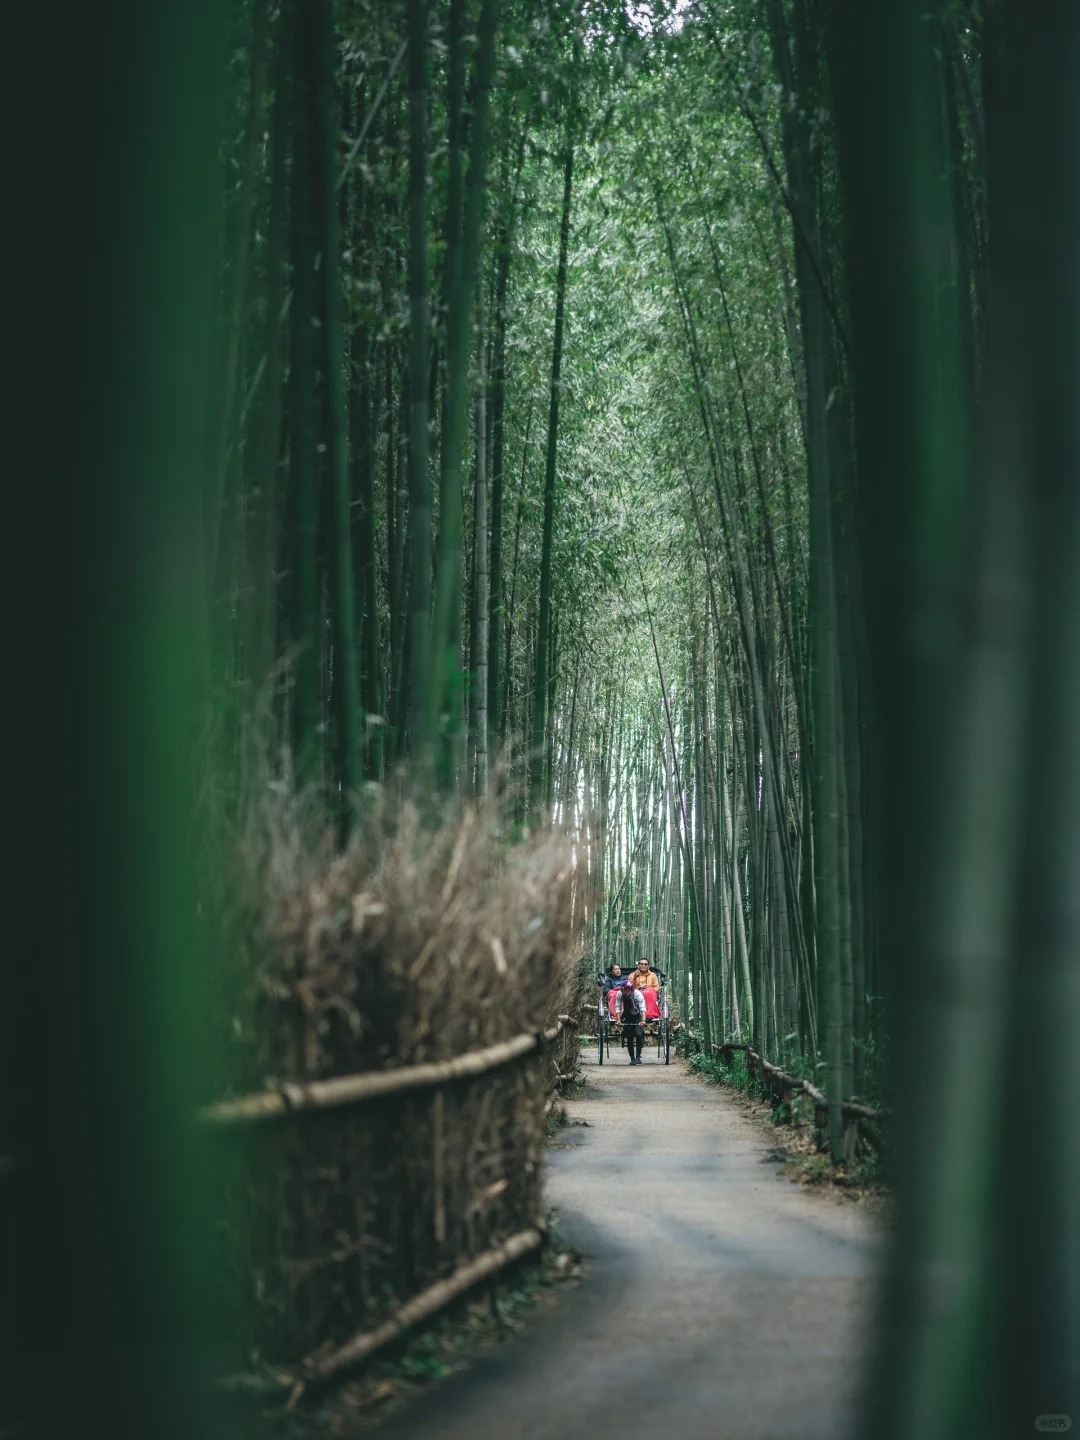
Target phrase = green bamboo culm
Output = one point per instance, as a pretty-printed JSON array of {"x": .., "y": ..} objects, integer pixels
[
  {"x": 900, "y": 227},
  {"x": 417, "y": 706},
  {"x": 538, "y": 785},
  {"x": 302, "y": 509},
  {"x": 1031, "y": 454},
  {"x": 120, "y": 1315},
  {"x": 971, "y": 567},
  {"x": 315, "y": 65},
  {"x": 462, "y": 261}
]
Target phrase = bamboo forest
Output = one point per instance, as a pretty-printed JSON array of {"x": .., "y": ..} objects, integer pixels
[{"x": 552, "y": 546}]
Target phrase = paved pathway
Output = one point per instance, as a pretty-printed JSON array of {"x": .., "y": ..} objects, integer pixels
[{"x": 739, "y": 1299}]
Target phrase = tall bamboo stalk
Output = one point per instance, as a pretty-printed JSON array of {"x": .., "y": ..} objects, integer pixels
[{"x": 540, "y": 691}]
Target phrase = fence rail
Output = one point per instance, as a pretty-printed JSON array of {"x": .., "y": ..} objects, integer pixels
[
  {"x": 782, "y": 1085},
  {"x": 288, "y": 1098},
  {"x": 318, "y": 1369},
  {"x": 337, "y": 1094}
]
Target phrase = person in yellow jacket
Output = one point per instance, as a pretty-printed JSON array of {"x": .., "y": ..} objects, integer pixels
[{"x": 643, "y": 978}]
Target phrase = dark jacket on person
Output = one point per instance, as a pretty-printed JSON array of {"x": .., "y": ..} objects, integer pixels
[{"x": 631, "y": 1006}]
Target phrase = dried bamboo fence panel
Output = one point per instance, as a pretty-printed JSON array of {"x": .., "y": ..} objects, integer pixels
[{"x": 398, "y": 1038}]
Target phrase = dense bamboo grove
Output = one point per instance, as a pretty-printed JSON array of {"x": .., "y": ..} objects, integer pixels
[
  {"x": 583, "y": 470},
  {"x": 536, "y": 447},
  {"x": 663, "y": 417}
]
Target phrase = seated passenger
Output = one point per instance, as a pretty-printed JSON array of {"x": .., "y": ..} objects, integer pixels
[{"x": 644, "y": 978}]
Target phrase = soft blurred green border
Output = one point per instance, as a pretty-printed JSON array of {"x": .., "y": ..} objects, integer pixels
[{"x": 114, "y": 140}]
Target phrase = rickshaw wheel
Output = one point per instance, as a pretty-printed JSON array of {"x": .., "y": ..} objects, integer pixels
[{"x": 600, "y": 1040}]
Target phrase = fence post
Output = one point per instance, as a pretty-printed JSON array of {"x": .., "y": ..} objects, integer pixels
[{"x": 851, "y": 1140}]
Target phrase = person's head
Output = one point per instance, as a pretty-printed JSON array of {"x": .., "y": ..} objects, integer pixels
[
  {"x": 616, "y": 972},
  {"x": 643, "y": 966}
]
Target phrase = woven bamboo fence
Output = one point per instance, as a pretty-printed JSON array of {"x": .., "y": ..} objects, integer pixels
[{"x": 402, "y": 1023}]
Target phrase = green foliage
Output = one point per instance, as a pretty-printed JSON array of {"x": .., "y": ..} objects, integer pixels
[
  {"x": 876, "y": 1067},
  {"x": 714, "y": 1069},
  {"x": 816, "y": 1170},
  {"x": 867, "y": 1170},
  {"x": 423, "y": 1364}
]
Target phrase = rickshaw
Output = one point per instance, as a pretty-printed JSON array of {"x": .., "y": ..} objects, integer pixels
[{"x": 609, "y": 1027}]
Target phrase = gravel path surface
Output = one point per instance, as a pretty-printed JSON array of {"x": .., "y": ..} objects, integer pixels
[{"x": 739, "y": 1298}]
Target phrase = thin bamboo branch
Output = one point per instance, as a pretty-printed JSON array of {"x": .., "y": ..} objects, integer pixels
[{"x": 376, "y": 105}]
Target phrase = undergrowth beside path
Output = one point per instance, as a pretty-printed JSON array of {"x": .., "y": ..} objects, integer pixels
[
  {"x": 800, "y": 1154},
  {"x": 477, "y": 1324}
]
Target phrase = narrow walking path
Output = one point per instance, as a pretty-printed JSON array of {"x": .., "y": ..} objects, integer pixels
[{"x": 739, "y": 1298}]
